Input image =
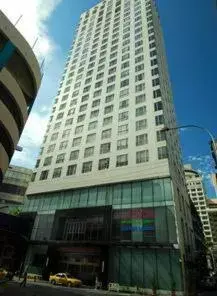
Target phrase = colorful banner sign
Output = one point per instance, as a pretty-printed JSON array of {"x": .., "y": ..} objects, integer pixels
[{"x": 136, "y": 220}]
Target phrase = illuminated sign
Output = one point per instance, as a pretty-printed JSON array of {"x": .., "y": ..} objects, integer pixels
[{"x": 136, "y": 220}]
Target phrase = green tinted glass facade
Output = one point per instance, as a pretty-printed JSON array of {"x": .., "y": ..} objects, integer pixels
[
  {"x": 143, "y": 218},
  {"x": 145, "y": 267},
  {"x": 153, "y": 193}
]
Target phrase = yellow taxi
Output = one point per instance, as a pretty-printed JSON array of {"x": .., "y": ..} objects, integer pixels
[{"x": 64, "y": 279}]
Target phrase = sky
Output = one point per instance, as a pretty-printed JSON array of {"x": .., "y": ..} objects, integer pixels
[{"x": 190, "y": 32}]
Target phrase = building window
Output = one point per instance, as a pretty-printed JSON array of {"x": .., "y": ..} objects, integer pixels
[
  {"x": 105, "y": 148},
  {"x": 141, "y": 124},
  {"x": 81, "y": 118},
  {"x": 110, "y": 88},
  {"x": 47, "y": 161},
  {"x": 140, "y": 87},
  {"x": 91, "y": 138},
  {"x": 92, "y": 125},
  {"x": 125, "y": 73},
  {"x": 159, "y": 120},
  {"x": 66, "y": 133},
  {"x": 103, "y": 164},
  {"x": 60, "y": 115},
  {"x": 79, "y": 129},
  {"x": 60, "y": 158},
  {"x": 139, "y": 67},
  {"x": 123, "y": 129},
  {"x": 111, "y": 79},
  {"x": 108, "y": 109},
  {"x": 95, "y": 103},
  {"x": 87, "y": 167},
  {"x": 109, "y": 98},
  {"x": 83, "y": 108},
  {"x": 71, "y": 111},
  {"x": 162, "y": 152},
  {"x": 161, "y": 136},
  {"x": 140, "y": 99},
  {"x": 63, "y": 145},
  {"x": 122, "y": 160},
  {"x": 155, "y": 71},
  {"x": 94, "y": 113},
  {"x": 124, "y": 104},
  {"x": 140, "y": 77},
  {"x": 112, "y": 70},
  {"x": 74, "y": 155},
  {"x": 141, "y": 111},
  {"x": 125, "y": 82},
  {"x": 54, "y": 137},
  {"x": 141, "y": 140},
  {"x": 76, "y": 142},
  {"x": 158, "y": 106},
  {"x": 107, "y": 120},
  {"x": 69, "y": 121},
  {"x": 88, "y": 151},
  {"x": 157, "y": 93},
  {"x": 123, "y": 116},
  {"x": 73, "y": 102},
  {"x": 57, "y": 172},
  {"x": 51, "y": 148},
  {"x": 124, "y": 93},
  {"x": 142, "y": 156},
  {"x": 44, "y": 175},
  {"x": 106, "y": 134},
  {"x": 71, "y": 170},
  {"x": 33, "y": 177},
  {"x": 122, "y": 144},
  {"x": 85, "y": 98},
  {"x": 155, "y": 82},
  {"x": 98, "y": 84},
  {"x": 57, "y": 125}
]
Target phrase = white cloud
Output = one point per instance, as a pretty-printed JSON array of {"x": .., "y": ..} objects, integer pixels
[
  {"x": 34, "y": 130},
  {"x": 32, "y": 25},
  {"x": 31, "y": 140}
]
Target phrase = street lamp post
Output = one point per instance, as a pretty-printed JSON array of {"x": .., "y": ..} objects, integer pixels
[{"x": 214, "y": 146}]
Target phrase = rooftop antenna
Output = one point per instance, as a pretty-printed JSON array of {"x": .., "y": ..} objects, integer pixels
[
  {"x": 36, "y": 40},
  {"x": 18, "y": 20}
]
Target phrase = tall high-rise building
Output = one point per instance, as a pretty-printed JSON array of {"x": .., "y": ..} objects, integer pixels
[
  {"x": 196, "y": 192},
  {"x": 109, "y": 183}
]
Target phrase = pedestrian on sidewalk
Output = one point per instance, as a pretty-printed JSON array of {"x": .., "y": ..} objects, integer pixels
[{"x": 23, "y": 283}]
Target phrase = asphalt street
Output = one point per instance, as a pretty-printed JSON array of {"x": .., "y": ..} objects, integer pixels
[{"x": 45, "y": 289}]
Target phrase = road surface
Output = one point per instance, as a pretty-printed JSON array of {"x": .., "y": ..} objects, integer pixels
[{"x": 45, "y": 289}]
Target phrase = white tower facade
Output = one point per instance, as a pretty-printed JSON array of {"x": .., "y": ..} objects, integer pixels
[{"x": 105, "y": 149}]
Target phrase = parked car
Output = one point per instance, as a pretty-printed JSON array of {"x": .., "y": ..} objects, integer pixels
[{"x": 64, "y": 279}]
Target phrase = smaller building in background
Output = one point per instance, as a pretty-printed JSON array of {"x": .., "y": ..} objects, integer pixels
[
  {"x": 196, "y": 192},
  {"x": 212, "y": 211},
  {"x": 214, "y": 182},
  {"x": 200, "y": 245},
  {"x": 13, "y": 187}
]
